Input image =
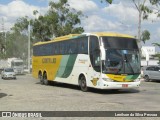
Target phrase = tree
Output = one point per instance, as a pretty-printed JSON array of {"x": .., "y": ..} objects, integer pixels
[
  {"x": 1, "y": 42},
  {"x": 145, "y": 36},
  {"x": 156, "y": 44},
  {"x": 21, "y": 26},
  {"x": 16, "y": 45},
  {"x": 144, "y": 12},
  {"x": 59, "y": 20}
]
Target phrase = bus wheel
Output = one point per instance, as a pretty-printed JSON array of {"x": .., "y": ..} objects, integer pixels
[
  {"x": 45, "y": 81},
  {"x": 41, "y": 78},
  {"x": 146, "y": 77},
  {"x": 83, "y": 84}
]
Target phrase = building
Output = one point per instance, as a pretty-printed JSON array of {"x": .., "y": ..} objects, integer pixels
[
  {"x": 147, "y": 56},
  {"x": 150, "y": 49}
]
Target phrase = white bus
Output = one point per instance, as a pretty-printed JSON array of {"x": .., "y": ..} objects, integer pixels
[{"x": 96, "y": 60}]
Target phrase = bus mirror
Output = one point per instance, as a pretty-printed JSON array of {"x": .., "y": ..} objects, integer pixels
[{"x": 103, "y": 53}]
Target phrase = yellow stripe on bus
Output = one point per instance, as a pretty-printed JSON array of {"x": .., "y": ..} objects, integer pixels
[
  {"x": 120, "y": 78},
  {"x": 50, "y": 64}
]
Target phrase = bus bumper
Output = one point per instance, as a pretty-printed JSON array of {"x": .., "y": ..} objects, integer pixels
[{"x": 120, "y": 85}]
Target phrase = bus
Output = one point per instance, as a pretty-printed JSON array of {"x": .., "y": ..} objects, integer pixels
[{"x": 99, "y": 60}]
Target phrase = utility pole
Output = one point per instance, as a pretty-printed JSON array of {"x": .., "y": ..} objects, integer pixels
[
  {"x": 29, "y": 48},
  {"x": 4, "y": 36}
]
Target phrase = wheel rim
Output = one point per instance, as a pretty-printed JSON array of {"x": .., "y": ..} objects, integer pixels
[
  {"x": 147, "y": 78},
  {"x": 83, "y": 84},
  {"x": 45, "y": 79},
  {"x": 41, "y": 79}
]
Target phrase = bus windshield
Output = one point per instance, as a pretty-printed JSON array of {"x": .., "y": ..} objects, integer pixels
[
  {"x": 122, "y": 56},
  {"x": 18, "y": 63}
]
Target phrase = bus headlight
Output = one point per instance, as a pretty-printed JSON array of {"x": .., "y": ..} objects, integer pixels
[{"x": 107, "y": 79}]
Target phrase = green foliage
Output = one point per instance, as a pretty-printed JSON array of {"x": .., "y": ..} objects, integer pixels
[
  {"x": 16, "y": 45},
  {"x": 155, "y": 2},
  {"x": 145, "y": 36},
  {"x": 156, "y": 44},
  {"x": 2, "y": 45},
  {"x": 41, "y": 28},
  {"x": 17, "y": 40},
  {"x": 143, "y": 9},
  {"x": 107, "y": 1},
  {"x": 59, "y": 20},
  {"x": 66, "y": 19},
  {"x": 21, "y": 25},
  {"x": 146, "y": 11}
]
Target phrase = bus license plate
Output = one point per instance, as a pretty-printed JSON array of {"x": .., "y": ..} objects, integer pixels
[{"x": 124, "y": 85}]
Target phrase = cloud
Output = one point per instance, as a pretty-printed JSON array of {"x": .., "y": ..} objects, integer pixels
[
  {"x": 96, "y": 23},
  {"x": 121, "y": 16},
  {"x": 83, "y": 5},
  {"x": 158, "y": 33},
  {"x": 111, "y": 18},
  {"x": 153, "y": 17},
  {"x": 17, "y": 9},
  {"x": 122, "y": 12}
]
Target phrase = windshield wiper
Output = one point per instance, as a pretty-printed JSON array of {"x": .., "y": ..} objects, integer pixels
[{"x": 129, "y": 63}]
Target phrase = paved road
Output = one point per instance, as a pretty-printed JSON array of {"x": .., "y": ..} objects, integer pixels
[{"x": 27, "y": 94}]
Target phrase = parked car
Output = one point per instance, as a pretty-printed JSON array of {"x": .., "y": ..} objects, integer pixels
[
  {"x": 8, "y": 73},
  {"x": 151, "y": 73}
]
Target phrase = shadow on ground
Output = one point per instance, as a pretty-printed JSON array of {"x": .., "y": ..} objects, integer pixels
[
  {"x": 3, "y": 95},
  {"x": 98, "y": 91}
]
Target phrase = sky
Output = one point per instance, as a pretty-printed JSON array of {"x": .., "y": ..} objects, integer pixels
[{"x": 121, "y": 16}]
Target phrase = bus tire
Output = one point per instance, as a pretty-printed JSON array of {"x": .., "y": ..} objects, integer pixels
[
  {"x": 40, "y": 78},
  {"x": 45, "y": 81},
  {"x": 82, "y": 83},
  {"x": 146, "y": 78}
]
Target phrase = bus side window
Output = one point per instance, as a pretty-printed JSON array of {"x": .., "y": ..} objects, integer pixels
[
  {"x": 65, "y": 47},
  {"x": 69, "y": 48},
  {"x": 55, "y": 48},
  {"x": 73, "y": 47},
  {"x": 49, "y": 49},
  {"x": 95, "y": 53},
  {"x": 83, "y": 45},
  {"x": 58, "y": 48}
]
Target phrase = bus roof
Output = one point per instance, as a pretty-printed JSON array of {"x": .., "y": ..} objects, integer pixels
[
  {"x": 62, "y": 38},
  {"x": 113, "y": 34},
  {"x": 71, "y": 36}
]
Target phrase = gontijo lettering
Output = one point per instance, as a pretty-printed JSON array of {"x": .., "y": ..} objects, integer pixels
[{"x": 49, "y": 60}]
